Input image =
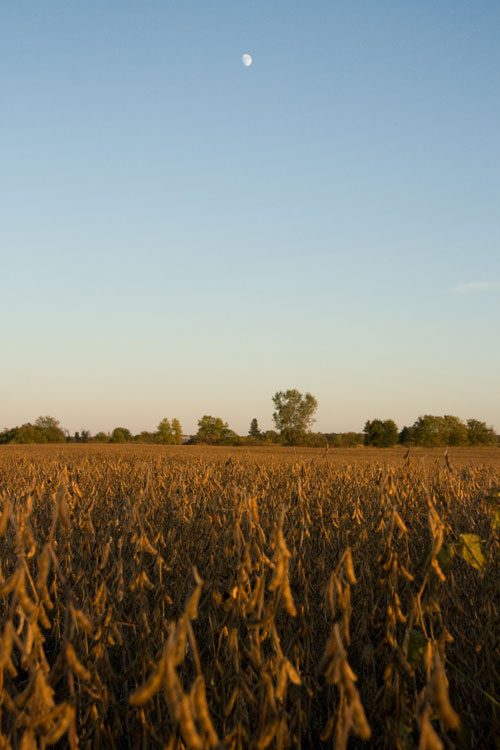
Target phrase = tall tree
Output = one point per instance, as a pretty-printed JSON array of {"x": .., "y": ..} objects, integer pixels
[
  {"x": 294, "y": 414},
  {"x": 254, "y": 431},
  {"x": 176, "y": 432},
  {"x": 164, "y": 432}
]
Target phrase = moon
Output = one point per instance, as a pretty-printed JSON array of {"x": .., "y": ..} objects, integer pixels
[{"x": 246, "y": 59}]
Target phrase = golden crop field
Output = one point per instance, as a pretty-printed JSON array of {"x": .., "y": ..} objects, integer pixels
[{"x": 231, "y": 598}]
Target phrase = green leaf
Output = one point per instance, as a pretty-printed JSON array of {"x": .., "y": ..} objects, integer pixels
[
  {"x": 445, "y": 557},
  {"x": 472, "y": 551},
  {"x": 417, "y": 645}
]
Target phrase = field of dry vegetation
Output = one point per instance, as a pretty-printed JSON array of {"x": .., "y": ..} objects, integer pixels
[{"x": 276, "y": 598}]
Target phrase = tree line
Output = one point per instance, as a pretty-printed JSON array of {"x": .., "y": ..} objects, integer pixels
[
  {"x": 293, "y": 416},
  {"x": 429, "y": 431},
  {"x": 49, "y": 430}
]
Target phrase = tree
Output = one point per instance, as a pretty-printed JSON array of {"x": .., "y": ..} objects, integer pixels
[
  {"x": 230, "y": 437},
  {"x": 254, "y": 431},
  {"x": 345, "y": 439},
  {"x": 121, "y": 435},
  {"x": 164, "y": 433},
  {"x": 480, "y": 434},
  {"x": 294, "y": 414},
  {"x": 430, "y": 431},
  {"x": 211, "y": 430},
  {"x": 169, "y": 434},
  {"x": 457, "y": 431},
  {"x": 6, "y": 435},
  {"x": 352, "y": 439},
  {"x": 381, "y": 434},
  {"x": 176, "y": 432},
  {"x": 81, "y": 437},
  {"x": 102, "y": 437},
  {"x": 146, "y": 437},
  {"x": 271, "y": 437},
  {"x": 27, "y": 433},
  {"x": 315, "y": 440},
  {"x": 406, "y": 436},
  {"x": 49, "y": 427}
]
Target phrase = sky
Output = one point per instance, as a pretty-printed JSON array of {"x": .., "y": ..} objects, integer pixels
[{"x": 182, "y": 235}]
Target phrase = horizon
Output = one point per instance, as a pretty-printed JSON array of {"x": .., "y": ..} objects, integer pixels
[
  {"x": 183, "y": 235},
  {"x": 262, "y": 426}
]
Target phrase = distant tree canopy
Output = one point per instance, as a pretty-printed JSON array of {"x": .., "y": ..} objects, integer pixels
[
  {"x": 102, "y": 437},
  {"x": 345, "y": 439},
  {"x": 254, "y": 431},
  {"x": 81, "y": 437},
  {"x": 271, "y": 437},
  {"x": 381, "y": 433},
  {"x": 480, "y": 434},
  {"x": 27, "y": 433},
  {"x": 45, "y": 430},
  {"x": 456, "y": 431},
  {"x": 145, "y": 436},
  {"x": 177, "y": 431},
  {"x": 314, "y": 440},
  {"x": 430, "y": 431},
  {"x": 49, "y": 427},
  {"x": 169, "y": 434},
  {"x": 433, "y": 432},
  {"x": 294, "y": 414},
  {"x": 213, "y": 431},
  {"x": 406, "y": 436},
  {"x": 164, "y": 433},
  {"x": 121, "y": 435}
]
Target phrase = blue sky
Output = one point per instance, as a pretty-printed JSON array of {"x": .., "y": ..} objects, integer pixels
[{"x": 181, "y": 235}]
